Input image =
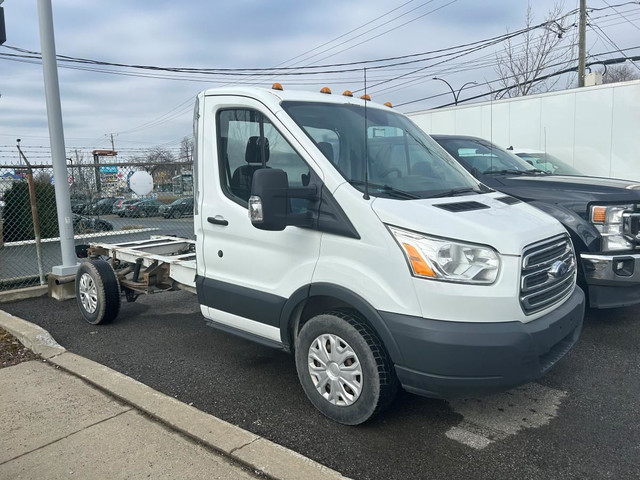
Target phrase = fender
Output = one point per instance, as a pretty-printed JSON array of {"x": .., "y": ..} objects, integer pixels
[
  {"x": 303, "y": 294},
  {"x": 584, "y": 235}
]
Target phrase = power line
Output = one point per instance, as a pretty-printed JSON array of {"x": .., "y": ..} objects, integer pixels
[
  {"x": 33, "y": 55},
  {"x": 614, "y": 9},
  {"x": 593, "y": 24},
  {"x": 480, "y": 62},
  {"x": 534, "y": 80},
  {"x": 387, "y": 31},
  {"x": 347, "y": 33}
]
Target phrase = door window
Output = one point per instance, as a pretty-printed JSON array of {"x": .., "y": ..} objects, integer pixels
[{"x": 247, "y": 141}]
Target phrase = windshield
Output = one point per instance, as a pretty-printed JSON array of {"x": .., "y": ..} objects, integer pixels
[
  {"x": 549, "y": 163},
  {"x": 475, "y": 153},
  {"x": 403, "y": 161}
]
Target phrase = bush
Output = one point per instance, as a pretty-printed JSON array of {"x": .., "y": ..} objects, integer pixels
[{"x": 17, "y": 224}]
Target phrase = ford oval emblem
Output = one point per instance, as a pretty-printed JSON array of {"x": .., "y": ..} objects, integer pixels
[{"x": 558, "y": 269}]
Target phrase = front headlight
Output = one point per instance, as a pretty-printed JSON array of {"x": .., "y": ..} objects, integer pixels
[
  {"x": 608, "y": 220},
  {"x": 448, "y": 260}
]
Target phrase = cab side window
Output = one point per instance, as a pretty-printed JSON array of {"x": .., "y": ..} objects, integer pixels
[{"x": 247, "y": 141}]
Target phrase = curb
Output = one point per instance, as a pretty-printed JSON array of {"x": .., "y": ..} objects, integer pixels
[
  {"x": 23, "y": 293},
  {"x": 255, "y": 452}
]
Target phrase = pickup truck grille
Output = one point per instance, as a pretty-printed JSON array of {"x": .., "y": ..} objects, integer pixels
[
  {"x": 548, "y": 273},
  {"x": 631, "y": 227}
]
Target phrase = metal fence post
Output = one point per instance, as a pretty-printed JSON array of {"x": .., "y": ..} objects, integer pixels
[{"x": 34, "y": 214}]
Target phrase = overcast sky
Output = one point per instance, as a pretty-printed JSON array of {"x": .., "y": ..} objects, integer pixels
[{"x": 156, "y": 109}]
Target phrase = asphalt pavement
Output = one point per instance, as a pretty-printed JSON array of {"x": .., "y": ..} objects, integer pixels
[{"x": 580, "y": 421}]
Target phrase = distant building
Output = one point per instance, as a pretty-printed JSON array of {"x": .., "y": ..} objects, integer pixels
[{"x": 6, "y": 180}]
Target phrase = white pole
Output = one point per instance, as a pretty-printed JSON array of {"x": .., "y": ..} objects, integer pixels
[{"x": 56, "y": 139}]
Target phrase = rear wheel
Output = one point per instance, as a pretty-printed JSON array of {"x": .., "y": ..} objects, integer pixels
[
  {"x": 97, "y": 292},
  {"x": 344, "y": 368}
]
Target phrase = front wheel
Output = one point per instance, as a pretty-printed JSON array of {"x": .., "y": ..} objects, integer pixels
[
  {"x": 97, "y": 292},
  {"x": 344, "y": 368}
]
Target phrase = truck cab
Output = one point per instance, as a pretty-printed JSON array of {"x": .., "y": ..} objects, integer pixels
[{"x": 335, "y": 229}]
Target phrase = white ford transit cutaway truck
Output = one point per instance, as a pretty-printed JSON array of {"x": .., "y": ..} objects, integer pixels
[{"x": 335, "y": 229}]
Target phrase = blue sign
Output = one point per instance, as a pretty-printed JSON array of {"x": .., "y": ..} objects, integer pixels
[
  {"x": 109, "y": 169},
  {"x": 131, "y": 172}
]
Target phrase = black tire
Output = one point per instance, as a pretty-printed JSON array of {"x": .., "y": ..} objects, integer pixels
[
  {"x": 379, "y": 383},
  {"x": 97, "y": 292}
]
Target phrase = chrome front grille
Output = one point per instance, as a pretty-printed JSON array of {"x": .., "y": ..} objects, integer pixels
[{"x": 548, "y": 273}]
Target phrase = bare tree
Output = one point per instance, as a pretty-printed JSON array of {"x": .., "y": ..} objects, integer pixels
[
  {"x": 161, "y": 165},
  {"x": 43, "y": 176},
  {"x": 525, "y": 57},
  {"x": 186, "y": 149},
  {"x": 83, "y": 173},
  {"x": 621, "y": 72}
]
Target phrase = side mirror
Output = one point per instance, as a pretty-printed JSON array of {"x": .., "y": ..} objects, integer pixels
[{"x": 268, "y": 202}]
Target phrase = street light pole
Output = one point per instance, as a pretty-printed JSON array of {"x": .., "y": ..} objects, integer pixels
[
  {"x": 56, "y": 139},
  {"x": 456, "y": 96},
  {"x": 455, "y": 99}
]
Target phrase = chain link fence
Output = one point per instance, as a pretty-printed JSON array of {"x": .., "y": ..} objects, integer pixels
[{"x": 104, "y": 209}]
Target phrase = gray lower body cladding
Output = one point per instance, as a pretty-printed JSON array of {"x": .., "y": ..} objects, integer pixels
[{"x": 453, "y": 359}]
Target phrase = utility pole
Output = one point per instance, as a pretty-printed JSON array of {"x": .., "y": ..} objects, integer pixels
[
  {"x": 582, "y": 43},
  {"x": 56, "y": 139},
  {"x": 113, "y": 147}
]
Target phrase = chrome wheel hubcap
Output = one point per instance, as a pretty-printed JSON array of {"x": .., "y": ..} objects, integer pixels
[
  {"x": 88, "y": 293},
  {"x": 335, "y": 370}
]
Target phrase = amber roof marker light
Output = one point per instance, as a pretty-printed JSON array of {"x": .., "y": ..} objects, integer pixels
[
  {"x": 326, "y": 90},
  {"x": 366, "y": 97},
  {"x": 277, "y": 86},
  {"x": 347, "y": 93}
]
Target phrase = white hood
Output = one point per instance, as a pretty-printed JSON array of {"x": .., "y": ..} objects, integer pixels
[{"x": 507, "y": 228}]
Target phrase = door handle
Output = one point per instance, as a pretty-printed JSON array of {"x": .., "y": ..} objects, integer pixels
[{"x": 218, "y": 220}]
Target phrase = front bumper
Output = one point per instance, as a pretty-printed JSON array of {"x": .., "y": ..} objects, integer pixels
[
  {"x": 613, "y": 280},
  {"x": 444, "y": 359}
]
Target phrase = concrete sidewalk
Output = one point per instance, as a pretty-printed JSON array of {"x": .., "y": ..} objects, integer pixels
[
  {"x": 68, "y": 417},
  {"x": 56, "y": 426}
]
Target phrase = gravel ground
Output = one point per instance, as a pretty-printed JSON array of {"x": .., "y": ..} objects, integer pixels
[{"x": 12, "y": 351}]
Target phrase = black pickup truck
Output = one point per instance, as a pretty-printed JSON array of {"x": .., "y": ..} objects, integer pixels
[{"x": 602, "y": 215}]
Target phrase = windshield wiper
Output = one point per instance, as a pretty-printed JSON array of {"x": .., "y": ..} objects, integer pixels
[
  {"x": 387, "y": 189},
  {"x": 513, "y": 171},
  {"x": 505, "y": 171},
  {"x": 453, "y": 192}
]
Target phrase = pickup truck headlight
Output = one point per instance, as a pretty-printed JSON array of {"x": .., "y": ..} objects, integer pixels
[
  {"x": 447, "y": 260},
  {"x": 608, "y": 221}
]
